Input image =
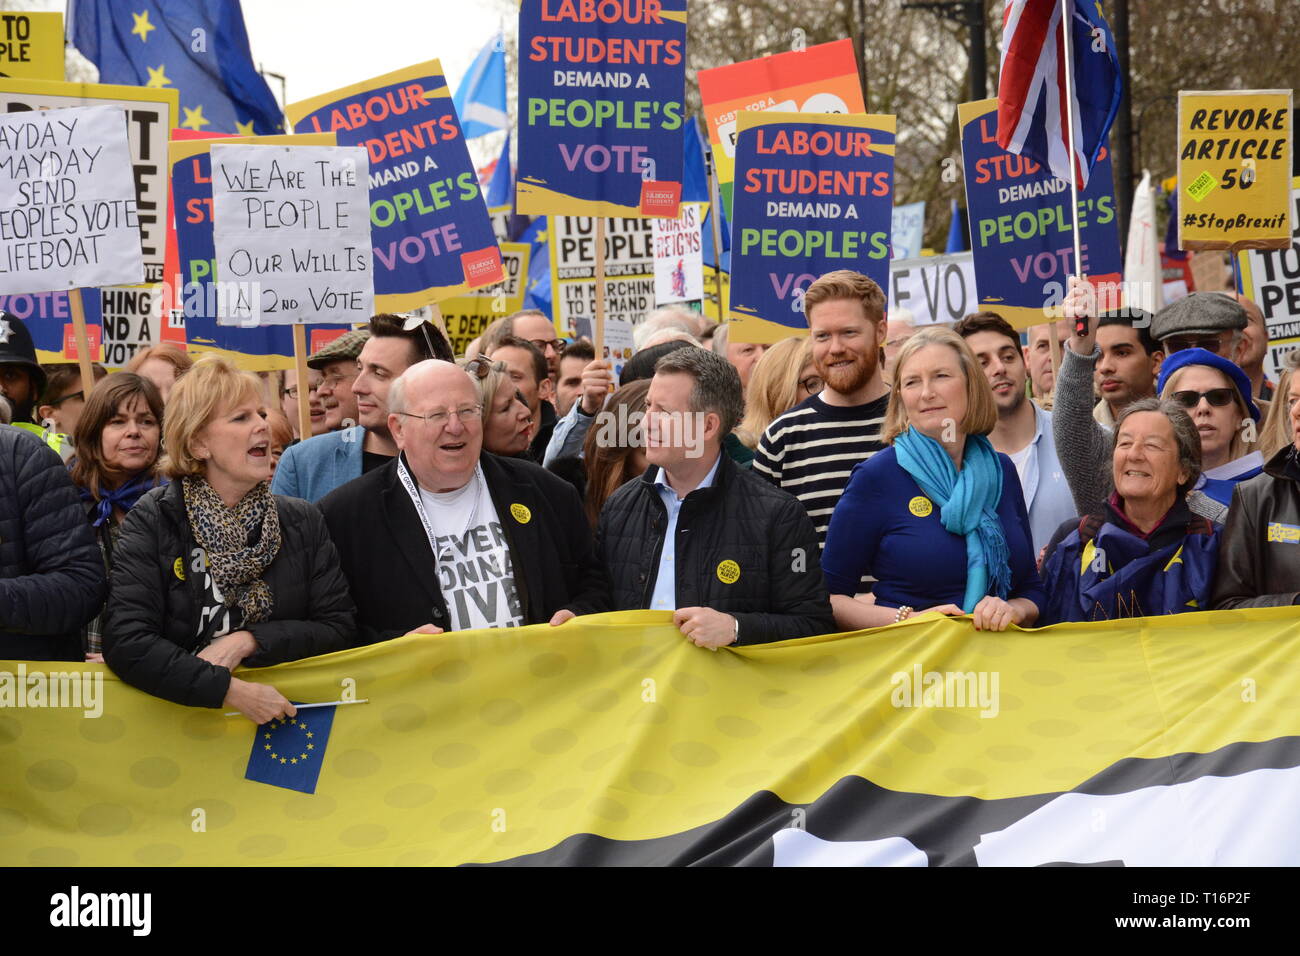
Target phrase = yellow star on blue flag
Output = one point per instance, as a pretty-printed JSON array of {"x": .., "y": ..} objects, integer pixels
[
  {"x": 292, "y": 762},
  {"x": 142, "y": 25}
]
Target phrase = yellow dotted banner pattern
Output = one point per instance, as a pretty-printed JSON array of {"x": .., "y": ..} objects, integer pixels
[{"x": 482, "y": 746}]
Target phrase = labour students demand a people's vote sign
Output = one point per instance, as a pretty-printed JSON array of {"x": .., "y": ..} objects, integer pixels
[
  {"x": 291, "y": 226},
  {"x": 68, "y": 214},
  {"x": 430, "y": 230},
  {"x": 814, "y": 193},
  {"x": 601, "y": 86},
  {"x": 1020, "y": 225}
]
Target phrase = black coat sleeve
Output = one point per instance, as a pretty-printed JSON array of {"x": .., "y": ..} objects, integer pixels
[
  {"x": 800, "y": 604},
  {"x": 591, "y": 589},
  {"x": 66, "y": 584},
  {"x": 331, "y": 622},
  {"x": 1242, "y": 576},
  {"x": 135, "y": 647}
]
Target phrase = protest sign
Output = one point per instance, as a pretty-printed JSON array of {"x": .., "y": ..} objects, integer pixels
[
  {"x": 48, "y": 316},
  {"x": 815, "y": 79},
  {"x": 292, "y": 225},
  {"x": 599, "y": 86},
  {"x": 814, "y": 193},
  {"x": 1021, "y": 228},
  {"x": 934, "y": 288},
  {"x": 429, "y": 227},
  {"x": 199, "y": 297},
  {"x": 712, "y": 309},
  {"x": 679, "y": 256},
  {"x": 629, "y": 266},
  {"x": 907, "y": 230},
  {"x": 31, "y": 45},
  {"x": 150, "y": 114},
  {"x": 1234, "y": 169},
  {"x": 466, "y": 316},
  {"x": 1272, "y": 279},
  {"x": 67, "y": 202},
  {"x": 131, "y": 321}
]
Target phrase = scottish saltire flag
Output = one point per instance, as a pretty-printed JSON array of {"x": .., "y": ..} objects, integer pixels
[
  {"x": 480, "y": 100},
  {"x": 1032, "y": 85},
  {"x": 199, "y": 47},
  {"x": 501, "y": 187},
  {"x": 289, "y": 753}
]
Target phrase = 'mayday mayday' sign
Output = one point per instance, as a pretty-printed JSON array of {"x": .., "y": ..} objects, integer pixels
[
  {"x": 67, "y": 201},
  {"x": 1020, "y": 225},
  {"x": 1234, "y": 169},
  {"x": 815, "y": 79},
  {"x": 430, "y": 230},
  {"x": 293, "y": 223},
  {"x": 814, "y": 193},
  {"x": 600, "y": 84},
  {"x": 150, "y": 114}
]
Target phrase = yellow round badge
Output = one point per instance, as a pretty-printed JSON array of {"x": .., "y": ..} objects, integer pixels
[
  {"x": 728, "y": 572},
  {"x": 920, "y": 506},
  {"x": 178, "y": 569},
  {"x": 521, "y": 513}
]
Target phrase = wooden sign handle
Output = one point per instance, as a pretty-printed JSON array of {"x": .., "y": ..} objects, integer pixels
[
  {"x": 598, "y": 327},
  {"x": 300, "y": 365},
  {"x": 82, "y": 340}
]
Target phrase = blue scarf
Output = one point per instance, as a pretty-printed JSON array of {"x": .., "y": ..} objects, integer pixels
[
  {"x": 968, "y": 502},
  {"x": 124, "y": 496}
]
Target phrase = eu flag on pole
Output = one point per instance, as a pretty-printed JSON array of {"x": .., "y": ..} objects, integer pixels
[
  {"x": 480, "y": 100},
  {"x": 199, "y": 47},
  {"x": 1033, "y": 86},
  {"x": 289, "y": 753}
]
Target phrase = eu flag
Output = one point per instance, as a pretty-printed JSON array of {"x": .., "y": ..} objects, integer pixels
[
  {"x": 199, "y": 47},
  {"x": 288, "y": 753}
]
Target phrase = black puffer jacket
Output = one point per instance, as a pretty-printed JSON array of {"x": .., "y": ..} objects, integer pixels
[
  {"x": 1259, "y": 548},
  {"x": 158, "y": 584},
  {"x": 51, "y": 575},
  {"x": 739, "y": 520}
]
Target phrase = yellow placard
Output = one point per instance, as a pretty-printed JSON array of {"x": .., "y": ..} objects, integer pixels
[
  {"x": 1234, "y": 169},
  {"x": 31, "y": 45}
]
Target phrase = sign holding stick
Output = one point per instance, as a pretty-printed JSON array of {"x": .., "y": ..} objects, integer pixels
[{"x": 68, "y": 213}]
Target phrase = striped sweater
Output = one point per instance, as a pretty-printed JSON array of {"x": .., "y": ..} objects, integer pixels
[{"x": 810, "y": 450}]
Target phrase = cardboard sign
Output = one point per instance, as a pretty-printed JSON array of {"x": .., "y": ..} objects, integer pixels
[
  {"x": 292, "y": 223},
  {"x": 629, "y": 274},
  {"x": 1272, "y": 279},
  {"x": 31, "y": 45},
  {"x": 67, "y": 201},
  {"x": 934, "y": 288},
  {"x": 199, "y": 296},
  {"x": 679, "y": 256},
  {"x": 150, "y": 114},
  {"x": 48, "y": 317},
  {"x": 130, "y": 319},
  {"x": 1234, "y": 169},
  {"x": 599, "y": 87},
  {"x": 429, "y": 227},
  {"x": 816, "y": 79},
  {"x": 467, "y": 316},
  {"x": 814, "y": 193},
  {"x": 1020, "y": 226}
]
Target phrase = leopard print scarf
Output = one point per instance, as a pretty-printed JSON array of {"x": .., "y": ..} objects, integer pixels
[{"x": 223, "y": 533}]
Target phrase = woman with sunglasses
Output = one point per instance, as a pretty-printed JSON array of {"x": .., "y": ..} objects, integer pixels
[
  {"x": 1216, "y": 394},
  {"x": 1257, "y": 550},
  {"x": 507, "y": 420}
]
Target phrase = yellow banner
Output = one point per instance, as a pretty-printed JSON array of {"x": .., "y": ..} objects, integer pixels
[
  {"x": 1234, "y": 169},
  {"x": 488, "y": 745}
]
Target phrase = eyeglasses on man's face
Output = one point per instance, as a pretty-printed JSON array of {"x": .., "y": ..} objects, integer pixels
[
  {"x": 557, "y": 344},
  {"x": 439, "y": 418},
  {"x": 293, "y": 392}
]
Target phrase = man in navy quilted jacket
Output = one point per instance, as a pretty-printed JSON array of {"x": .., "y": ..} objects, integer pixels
[{"x": 51, "y": 574}]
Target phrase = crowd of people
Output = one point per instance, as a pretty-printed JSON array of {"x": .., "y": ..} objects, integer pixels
[{"x": 170, "y": 521}]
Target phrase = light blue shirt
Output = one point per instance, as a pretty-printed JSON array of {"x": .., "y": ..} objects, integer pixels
[
  {"x": 1047, "y": 494},
  {"x": 664, "y": 597}
]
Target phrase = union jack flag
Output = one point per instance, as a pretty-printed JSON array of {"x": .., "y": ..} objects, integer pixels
[{"x": 1032, "y": 86}]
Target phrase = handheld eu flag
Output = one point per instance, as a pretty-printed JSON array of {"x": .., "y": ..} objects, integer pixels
[{"x": 288, "y": 753}]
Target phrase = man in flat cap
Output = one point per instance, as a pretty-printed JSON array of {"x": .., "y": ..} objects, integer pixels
[
  {"x": 337, "y": 363},
  {"x": 1201, "y": 320}
]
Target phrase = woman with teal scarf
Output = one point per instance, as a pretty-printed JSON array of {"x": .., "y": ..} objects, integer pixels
[{"x": 938, "y": 519}]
